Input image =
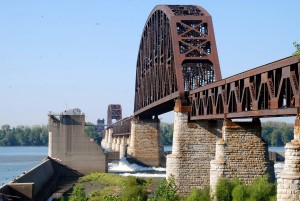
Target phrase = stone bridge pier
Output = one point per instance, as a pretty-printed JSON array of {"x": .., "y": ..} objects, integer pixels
[
  {"x": 145, "y": 144},
  {"x": 193, "y": 149},
  {"x": 288, "y": 187},
  {"x": 203, "y": 151},
  {"x": 241, "y": 153}
]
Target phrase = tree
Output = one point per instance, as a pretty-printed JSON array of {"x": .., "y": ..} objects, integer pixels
[
  {"x": 166, "y": 130},
  {"x": 23, "y": 135},
  {"x": 276, "y": 139},
  {"x": 297, "y": 52}
]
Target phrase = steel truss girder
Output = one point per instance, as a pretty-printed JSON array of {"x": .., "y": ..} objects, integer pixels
[{"x": 269, "y": 90}]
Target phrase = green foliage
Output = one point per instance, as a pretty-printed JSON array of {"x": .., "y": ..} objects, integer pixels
[
  {"x": 223, "y": 190},
  {"x": 78, "y": 193},
  {"x": 91, "y": 130},
  {"x": 277, "y": 133},
  {"x": 261, "y": 189},
  {"x": 166, "y": 191},
  {"x": 111, "y": 198},
  {"x": 112, "y": 187},
  {"x": 198, "y": 195},
  {"x": 166, "y": 130},
  {"x": 297, "y": 52},
  {"x": 240, "y": 193},
  {"x": 134, "y": 190},
  {"x": 23, "y": 136}
]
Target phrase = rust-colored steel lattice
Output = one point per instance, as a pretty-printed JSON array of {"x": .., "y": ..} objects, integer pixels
[
  {"x": 269, "y": 90},
  {"x": 122, "y": 127},
  {"x": 177, "y": 53},
  {"x": 114, "y": 111}
]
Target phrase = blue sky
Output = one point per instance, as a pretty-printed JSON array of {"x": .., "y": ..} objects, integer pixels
[{"x": 65, "y": 54}]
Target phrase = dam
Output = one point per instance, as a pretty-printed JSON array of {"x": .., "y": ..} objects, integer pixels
[{"x": 71, "y": 154}]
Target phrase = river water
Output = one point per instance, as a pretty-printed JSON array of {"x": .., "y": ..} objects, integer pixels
[{"x": 15, "y": 160}]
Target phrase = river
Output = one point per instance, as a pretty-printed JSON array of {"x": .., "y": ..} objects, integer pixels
[{"x": 15, "y": 160}]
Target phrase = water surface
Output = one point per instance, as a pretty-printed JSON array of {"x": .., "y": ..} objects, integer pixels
[{"x": 15, "y": 160}]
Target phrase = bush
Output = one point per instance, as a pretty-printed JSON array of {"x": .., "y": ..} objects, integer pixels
[
  {"x": 198, "y": 195},
  {"x": 260, "y": 189},
  {"x": 166, "y": 191},
  {"x": 135, "y": 190},
  {"x": 240, "y": 193},
  {"x": 223, "y": 190},
  {"x": 78, "y": 193}
]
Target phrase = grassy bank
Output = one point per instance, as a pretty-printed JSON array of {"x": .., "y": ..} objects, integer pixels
[{"x": 112, "y": 187}]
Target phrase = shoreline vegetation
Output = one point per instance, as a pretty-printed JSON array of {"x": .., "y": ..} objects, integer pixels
[
  {"x": 274, "y": 133},
  {"x": 112, "y": 187}
]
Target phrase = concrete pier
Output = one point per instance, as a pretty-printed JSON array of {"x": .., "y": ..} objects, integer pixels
[
  {"x": 123, "y": 147},
  {"x": 71, "y": 146}
]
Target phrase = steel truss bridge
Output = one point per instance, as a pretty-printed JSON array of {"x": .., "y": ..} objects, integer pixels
[{"x": 178, "y": 59}]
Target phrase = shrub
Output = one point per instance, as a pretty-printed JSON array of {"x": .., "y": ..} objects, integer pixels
[
  {"x": 135, "y": 190},
  {"x": 260, "y": 189},
  {"x": 239, "y": 193},
  {"x": 223, "y": 190},
  {"x": 78, "y": 193},
  {"x": 198, "y": 195},
  {"x": 166, "y": 191},
  {"x": 111, "y": 198}
]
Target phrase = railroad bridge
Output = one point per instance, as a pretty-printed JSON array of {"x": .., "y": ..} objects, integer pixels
[{"x": 178, "y": 69}]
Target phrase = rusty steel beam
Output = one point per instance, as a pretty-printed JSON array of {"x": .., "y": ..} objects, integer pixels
[
  {"x": 177, "y": 53},
  {"x": 122, "y": 127},
  {"x": 267, "y": 91},
  {"x": 114, "y": 111}
]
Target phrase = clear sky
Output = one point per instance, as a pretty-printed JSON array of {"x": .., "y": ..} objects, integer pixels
[{"x": 82, "y": 54}]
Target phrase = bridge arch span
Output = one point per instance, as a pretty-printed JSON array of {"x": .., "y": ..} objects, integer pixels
[{"x": 177, "y": 53}]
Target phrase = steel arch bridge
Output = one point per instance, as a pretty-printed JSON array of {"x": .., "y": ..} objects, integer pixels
[
  {"x": 177, "y": 53},
  {"x": 178, "y": 59}
]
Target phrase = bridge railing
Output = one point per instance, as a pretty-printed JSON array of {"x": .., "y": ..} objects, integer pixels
[
  {"x": 269, "y": 90},
  {"x": 122, "y": 127}
]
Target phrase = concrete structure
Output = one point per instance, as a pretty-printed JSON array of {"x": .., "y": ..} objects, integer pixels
[
  {"x": 145, "y": 145},
  {"x": 193, "y": 149},
  {"x": 288, "y": 187},
  {"x": 110, "y": 140},
  {"x": 69, "y": 144},
  {"x": 123, "y": 147},
  {"x": 40, "y": 182},
  {"x": 241, "y": 153}
]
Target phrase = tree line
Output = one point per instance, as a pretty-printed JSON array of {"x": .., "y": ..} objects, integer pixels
[
  {"x": 33, "y": 135},
  {"x": 274, "y": 133},
  {"x": 23, "y": 136}
]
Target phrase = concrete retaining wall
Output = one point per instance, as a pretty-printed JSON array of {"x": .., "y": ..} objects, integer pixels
[
  {"x": 71, "y": 146},
  {"x": 40, "y": 182}
]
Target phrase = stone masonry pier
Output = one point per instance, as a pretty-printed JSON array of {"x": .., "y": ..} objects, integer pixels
[
  {"x": 241, "y": 153},
  {"x": 288, "y": 187},
  {"x": 145, "y": 144},
  {"x": 193, "y": 149}
]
